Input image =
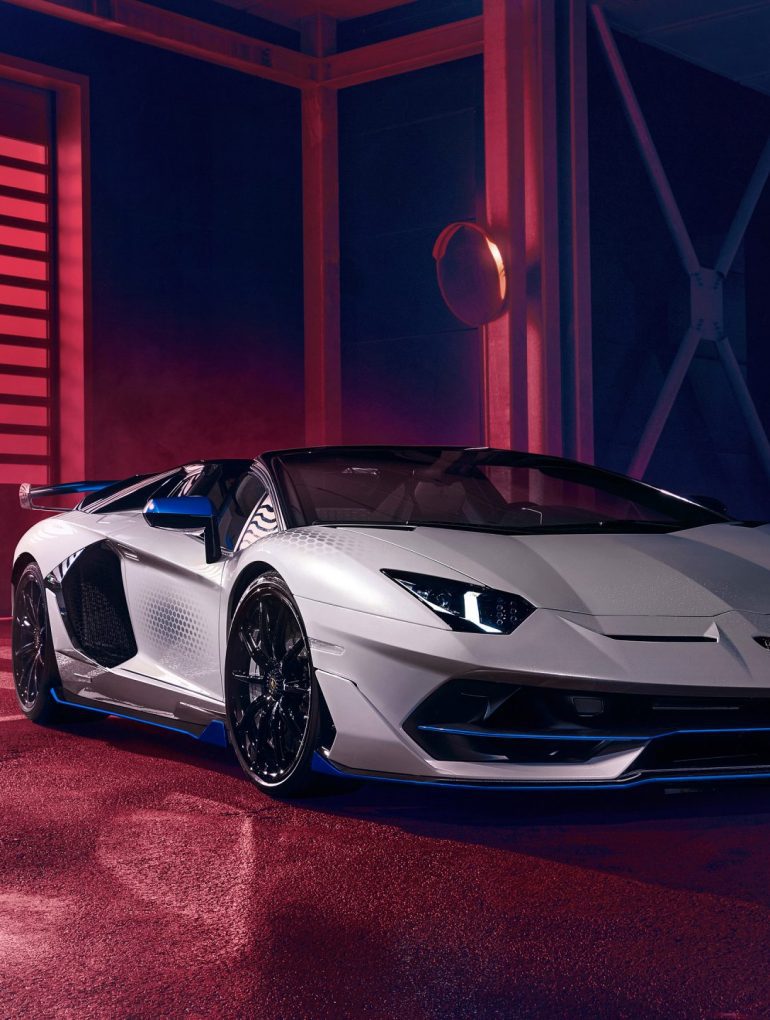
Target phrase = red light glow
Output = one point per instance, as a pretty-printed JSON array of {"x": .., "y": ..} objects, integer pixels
[
  {"x": 23, "y": 385},
  {"x": 28, "y": 269},
  {"x": 17, "y": 148},
  {"x": 18, "y": 237},
  {"x": 24, "y": 297},
  {"x": 31, "y": 357},
  {"x": 18, "y": 325},
  {"x": 29, "y": 446},
  {"x": 23, "y": 414},
  {"x": 27, "y": 180},
  {"x": 23, "y": 209},
  {"x": 10, "y": 474}
]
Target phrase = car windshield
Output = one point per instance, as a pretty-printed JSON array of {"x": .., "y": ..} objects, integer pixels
[{"x": 471, "y": 489}]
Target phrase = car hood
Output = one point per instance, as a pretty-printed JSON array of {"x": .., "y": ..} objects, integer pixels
[{"x": 698, "y": 572}]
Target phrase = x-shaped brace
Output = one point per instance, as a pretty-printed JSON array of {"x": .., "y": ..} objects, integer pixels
[{"x": 706, "y": 285}]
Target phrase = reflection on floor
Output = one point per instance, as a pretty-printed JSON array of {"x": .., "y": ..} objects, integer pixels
[{"x": 141, "y": 876}]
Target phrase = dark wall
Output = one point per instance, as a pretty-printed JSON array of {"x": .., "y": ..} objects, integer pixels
[
  {"x": 709, "y": 132},
  {"x": 412, "y": 16},
  {"x": 195, "y": 245},
  {"x": 411, "y": 161},
  {"x": 196, "y": 254}
]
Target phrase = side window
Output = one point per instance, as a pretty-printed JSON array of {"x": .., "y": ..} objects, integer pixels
[
  {"x": 237, "y": 508},
  {"x": 262, "y": 523},
  {"x": 130, "y": 496},
  {"x": 186, "y": 485}
]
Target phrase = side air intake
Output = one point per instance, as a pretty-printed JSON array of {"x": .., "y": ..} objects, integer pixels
[{"x": 95, "y": 609}]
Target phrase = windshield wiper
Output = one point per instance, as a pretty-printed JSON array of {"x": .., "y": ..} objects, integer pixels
[
  {"x": 411, "y": 525},
  {"x": 583, "y": 527},
  {"x": 392, "y": 525},
  {"x": 615, "y": 524}
]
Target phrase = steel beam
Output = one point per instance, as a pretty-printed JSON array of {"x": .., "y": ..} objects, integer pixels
[
  {"x": 406, "y": 53},
  {"x": 646, "y": 145},
  {"x": 168, "y": 30},
  {"x": 541, "y": 199},
  {"x": 575, "y": 247},
  {"x": 536, "y": 197},
  {"x": 321, "y": 247},
  {"x": 505, "y": 339},
  {"x": 155, "y": 26},
  {"x": 744, "y": 212},
  {"x": 706, "y": 285},
  {"x": 665, "y": 403},
  {"x": 745, "y": 400}
]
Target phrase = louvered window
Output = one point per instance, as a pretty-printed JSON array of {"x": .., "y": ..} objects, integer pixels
[{"x": 27, "y": 250}]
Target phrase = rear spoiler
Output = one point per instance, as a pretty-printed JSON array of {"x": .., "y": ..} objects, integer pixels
[{"x": 28, "y": 493}]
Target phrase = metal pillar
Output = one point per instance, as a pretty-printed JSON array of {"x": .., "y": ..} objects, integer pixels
[
  {"x": 321, "y": 247},
  {"x": 541, "y": 202},
  {"x": 505, "y": 339},
  {"x": 575, "y": 239},
  {"x": 706, "y": 285},
  {"x": 538, "y": 371}
]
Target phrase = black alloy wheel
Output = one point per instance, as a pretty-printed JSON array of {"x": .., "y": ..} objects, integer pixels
[
  {"x": 271, "y": 693},
  {"x": 34, "y": 669}
]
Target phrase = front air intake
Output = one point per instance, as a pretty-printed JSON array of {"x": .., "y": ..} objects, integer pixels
[{"x": 498, "y": 720}]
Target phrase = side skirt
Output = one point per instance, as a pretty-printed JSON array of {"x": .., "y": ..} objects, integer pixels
[{"x": 211, "y": 732}]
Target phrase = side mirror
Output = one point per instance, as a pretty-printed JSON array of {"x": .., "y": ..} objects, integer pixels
[{"x": 186, "y": 513}]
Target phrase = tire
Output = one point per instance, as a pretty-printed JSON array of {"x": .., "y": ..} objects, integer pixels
[
  {"x": 34, "y": 662},
  {"x": 272, "y": 697}
]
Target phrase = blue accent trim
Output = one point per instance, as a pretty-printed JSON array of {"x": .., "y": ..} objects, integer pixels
[
  {"x": 66, "y": 488},
  {"x": 582, "y": 785},
  {"x": 214, "y": 733},
  {"x": 320, "y": 764},
  {"x": 180, "y": 506},
  {"x": 29, "y": 493},
  {"x": 598, "y": 738}
]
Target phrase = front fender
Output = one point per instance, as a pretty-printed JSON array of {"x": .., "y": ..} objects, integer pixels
[{"x": 342, "y": 568}]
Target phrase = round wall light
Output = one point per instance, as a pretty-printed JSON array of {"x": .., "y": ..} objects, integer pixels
[{"x": 471, "y": 273}]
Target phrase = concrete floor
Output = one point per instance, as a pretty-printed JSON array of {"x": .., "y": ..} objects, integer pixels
[{"x": 142, "y": 876}]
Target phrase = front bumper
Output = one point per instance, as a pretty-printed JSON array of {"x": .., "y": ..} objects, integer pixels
[
  {"x": 428, "y": 704},
  {"x": 323, "y": 766}
]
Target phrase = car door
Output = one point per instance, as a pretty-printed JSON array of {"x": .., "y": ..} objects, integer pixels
[{"x": 174, "y": 595}]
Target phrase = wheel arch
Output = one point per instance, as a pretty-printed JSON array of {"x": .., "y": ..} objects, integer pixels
[
  {"x": 249, "y": 574},
  {"x": 22, "y": 560}
]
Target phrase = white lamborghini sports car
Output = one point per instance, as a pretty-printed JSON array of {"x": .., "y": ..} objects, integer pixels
[{"x": 470, "y": 617}]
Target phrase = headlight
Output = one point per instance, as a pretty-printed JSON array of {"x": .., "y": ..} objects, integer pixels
[{"x": 466, "y": 606}]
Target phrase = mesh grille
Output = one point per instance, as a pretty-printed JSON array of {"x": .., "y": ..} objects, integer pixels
[{"x": 96, "y": 607}]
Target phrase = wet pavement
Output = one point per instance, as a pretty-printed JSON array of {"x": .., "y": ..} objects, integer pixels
[{"x": 142, "y": 876}]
